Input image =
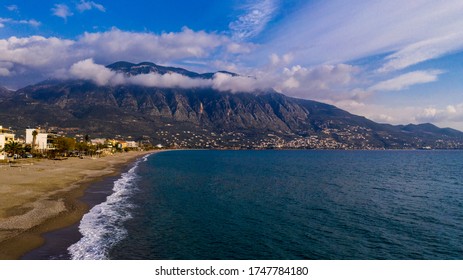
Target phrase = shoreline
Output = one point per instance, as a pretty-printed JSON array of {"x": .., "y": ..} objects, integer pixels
[
  {"x": 58, "y": 241},
  {"x": 43, "y": 196}
]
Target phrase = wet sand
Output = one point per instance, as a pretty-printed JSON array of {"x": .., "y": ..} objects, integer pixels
[{"x": 38, "y": 196}]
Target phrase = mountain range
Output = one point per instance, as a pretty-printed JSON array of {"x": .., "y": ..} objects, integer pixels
[{"x": 204, "y": 117}]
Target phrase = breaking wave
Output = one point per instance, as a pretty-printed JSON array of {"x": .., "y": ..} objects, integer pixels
[{"x": 103, "y": 226}]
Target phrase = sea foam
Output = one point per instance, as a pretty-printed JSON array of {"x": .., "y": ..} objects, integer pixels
[{"x": 103, "y": 226}]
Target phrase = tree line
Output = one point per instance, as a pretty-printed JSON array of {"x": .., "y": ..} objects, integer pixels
[{"x": 62, "y": 146}]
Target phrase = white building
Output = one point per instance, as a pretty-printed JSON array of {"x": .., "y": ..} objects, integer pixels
[
  {"x": 41, "y": 139},
  {"x": 98, "y": 141},
  {"x": 132, "y": 144},
  {"x": 5, "y": 136}
]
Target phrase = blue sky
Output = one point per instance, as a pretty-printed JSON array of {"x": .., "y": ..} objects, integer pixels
[{"x": 391, "y": 61}]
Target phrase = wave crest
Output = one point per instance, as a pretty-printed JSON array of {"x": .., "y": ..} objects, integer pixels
[{"x": 103, "y": 226}]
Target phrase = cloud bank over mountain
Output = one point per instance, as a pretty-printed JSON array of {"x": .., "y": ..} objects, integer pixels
[
  {"x": 99, "y": 74},
  {"x": 297, "y": 80}
]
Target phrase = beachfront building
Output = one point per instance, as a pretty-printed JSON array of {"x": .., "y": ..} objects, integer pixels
[
  {"x": 121, "y": 144},
  {"x": 43, "y": 140},
  {"x": 132, "y": 144},
  {"x": 111, "y": 143},
  {"x": 6, "y": 136},
  {"x": 98, "y": 141}
]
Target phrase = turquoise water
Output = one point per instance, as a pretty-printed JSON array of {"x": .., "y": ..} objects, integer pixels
[{"x": 284, "y": 205}]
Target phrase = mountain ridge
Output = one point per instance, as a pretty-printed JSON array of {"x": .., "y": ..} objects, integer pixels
[
  {"x": 206, "y": 118},
  {"x": 149, "y": 67}
]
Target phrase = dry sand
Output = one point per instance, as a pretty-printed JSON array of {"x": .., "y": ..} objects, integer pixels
[{"x": 38, "y": 196}]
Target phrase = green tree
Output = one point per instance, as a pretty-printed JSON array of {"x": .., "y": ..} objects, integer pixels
[
  {"x": 65, "y": 144},
  {"x": 82, "y": 147},
  {"x": 13, "y": 148},
  {"x": 28, "y": 148}
]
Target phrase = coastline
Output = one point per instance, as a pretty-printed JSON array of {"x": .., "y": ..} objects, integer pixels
[{"x": 43, "y": 195}]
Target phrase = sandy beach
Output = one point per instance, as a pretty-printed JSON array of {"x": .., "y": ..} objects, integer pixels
[{"x": 38, "y": 196}]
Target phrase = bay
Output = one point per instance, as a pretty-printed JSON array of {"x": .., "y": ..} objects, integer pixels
[{"x": 295, "y": 205}]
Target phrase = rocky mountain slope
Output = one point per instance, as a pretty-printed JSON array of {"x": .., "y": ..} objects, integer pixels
[{"x": 204, "y": 117}]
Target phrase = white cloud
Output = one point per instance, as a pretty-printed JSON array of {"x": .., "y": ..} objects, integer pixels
[
  {"x": 89, "y": 5},
  {"x": 12, "y": 8},
  {"x": 239, "y": 48},
  {"x": 168, "y": 80},
  {"x": 339, "y": 31},
  {"x": 5, "y": 68},
  {"x": 117, "y": 44},
  {"x": 226, "y": 82},
  {"x": 4, "y": 71},
  {"x": 442, "y": 116},
  {"x": 429, "y": 114},
  {"x": 62, "y": 11},
  {"x": 382, "y": 118},
  {"x": 283, "y": 60},
  {"x": 423, "y": 51},
  {"x": 451, "y": 109},
  {"x": 41, "y": 57},
  {"x": 404, "y": 81},
  {"x": 256, "y": 16},
  {"x": 4, "y": 20},
  {"x": 34, "y": 51},
  {"x": 88, "y": 70},
  {"x": 324, "y": 82},
  {"x": 31, "y": 22},
  {"x": 448, "y": 114},
  {"x": 320, "y": 82},
  {"x": 381, "y": 113}
]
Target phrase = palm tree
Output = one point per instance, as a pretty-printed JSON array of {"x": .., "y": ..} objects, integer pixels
[
  {"x": 34, "y": 139},
  {"x": 13, "y": 147}
]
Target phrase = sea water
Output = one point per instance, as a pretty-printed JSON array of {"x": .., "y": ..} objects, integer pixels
[{"x": 281, "y": 205}]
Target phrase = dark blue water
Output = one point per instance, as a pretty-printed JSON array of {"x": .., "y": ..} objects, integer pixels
[{"x": 295, "y": 205}]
